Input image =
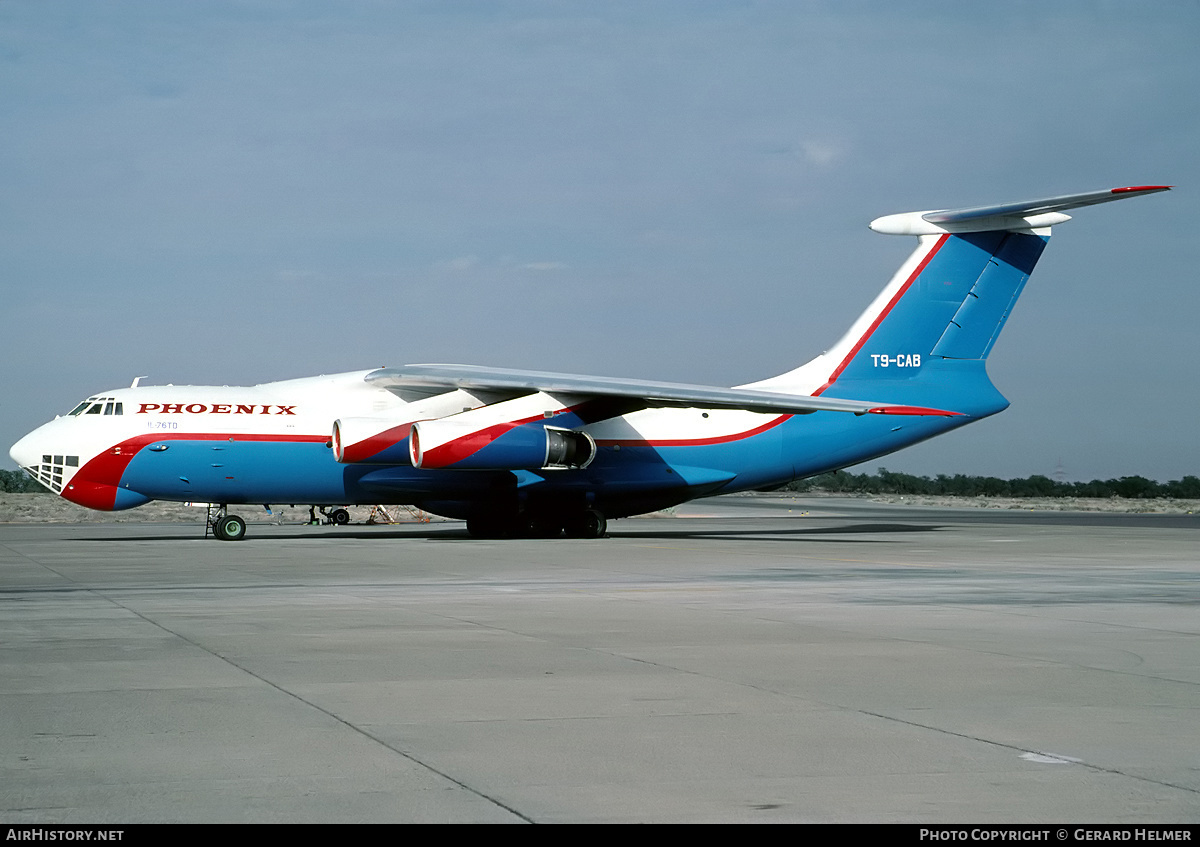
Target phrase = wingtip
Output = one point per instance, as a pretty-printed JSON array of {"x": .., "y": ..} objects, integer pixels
[{"x": 1130, "y": 189}]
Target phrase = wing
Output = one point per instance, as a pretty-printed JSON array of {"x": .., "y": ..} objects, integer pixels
[{"x": 638, "y": 393}]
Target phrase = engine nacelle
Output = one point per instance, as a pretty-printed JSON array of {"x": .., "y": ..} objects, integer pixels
[
  {"x": 371, "y": 441},
  {"x": 450, "y": 443}
]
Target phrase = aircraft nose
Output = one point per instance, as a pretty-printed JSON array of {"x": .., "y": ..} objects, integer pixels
[{"x": 25, "y": 452}]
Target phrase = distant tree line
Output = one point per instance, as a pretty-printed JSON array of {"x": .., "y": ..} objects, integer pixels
[
  {"x": 889, "y": 482},
  {"x": 961, "y": 485},
  {"x": 19, "y": 482}
]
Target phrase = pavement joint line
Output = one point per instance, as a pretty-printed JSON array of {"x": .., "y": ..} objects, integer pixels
[
  {"x": 940, "y": 730},
  {"x": 1031, "y": 658},
  {"x": 687, "y": 593},
  {"x": 855, "y": 710},
  {"x": 1113, "y": 624},
  {"x": 351, "y": 726},
  {"x": 638, "y": 595},
  {"x": 1019, "y": 749}
]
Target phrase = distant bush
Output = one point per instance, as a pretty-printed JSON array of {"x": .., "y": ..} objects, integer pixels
[
  {"x": 19, "y": 482},
  {"x": 961, "y": 485}
]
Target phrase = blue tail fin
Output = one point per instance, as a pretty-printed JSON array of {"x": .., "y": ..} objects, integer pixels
[{"x": 925, "y": 338}]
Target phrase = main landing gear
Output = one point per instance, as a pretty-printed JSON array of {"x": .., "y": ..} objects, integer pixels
[
  {"x": 581, "y": 523},
  {"x": 586, "y": 523},
  {"x": 336, "y": 517}
]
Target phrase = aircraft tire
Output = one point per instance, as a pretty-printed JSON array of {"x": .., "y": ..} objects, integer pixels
[
  {"x": 230, "y": 528},
  {"x": 485, "y": 526},
  {"x": 588, "y": 524},
  {"x": 544, "y": 527},
  {"x": 340, "y": 517}
]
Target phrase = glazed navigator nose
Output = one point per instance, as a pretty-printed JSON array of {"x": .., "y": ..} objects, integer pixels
[{"x": 35, "y": 454}]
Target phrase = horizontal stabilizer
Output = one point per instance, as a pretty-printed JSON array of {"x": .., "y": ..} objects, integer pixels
[{"x": 1031, "y": 214}]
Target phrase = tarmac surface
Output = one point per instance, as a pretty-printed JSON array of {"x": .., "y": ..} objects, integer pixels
[{"x": 748, "y": 659}]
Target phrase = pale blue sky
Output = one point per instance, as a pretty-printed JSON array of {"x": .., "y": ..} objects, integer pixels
[{"x": 227, "y": 192}]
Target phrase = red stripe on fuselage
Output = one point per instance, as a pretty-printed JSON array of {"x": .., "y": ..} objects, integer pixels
[
  {"x": 878, "y": 320},
  {"x": 691, "y": 442},
  {"x": 95, "y": 484}
]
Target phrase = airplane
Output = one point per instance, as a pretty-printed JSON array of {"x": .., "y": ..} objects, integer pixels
[{"x": 531, "y": 453}]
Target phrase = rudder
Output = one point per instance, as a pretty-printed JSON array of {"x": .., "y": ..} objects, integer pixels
[
  {"x": 978, "y": 321},
  {"x": 951, "y": 306},
  {"x": 948, "y": 301},
  {"x": 925, "y": 338}
]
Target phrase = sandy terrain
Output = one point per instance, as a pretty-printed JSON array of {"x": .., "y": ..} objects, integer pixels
[
  {"x": 1159, "y": 505},
  {"x": 46, "y": 508}
]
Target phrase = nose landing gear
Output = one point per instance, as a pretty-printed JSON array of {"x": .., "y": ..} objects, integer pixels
[
  {"x": 230, "y": 528},
  {"x": 225, "y": 527}
]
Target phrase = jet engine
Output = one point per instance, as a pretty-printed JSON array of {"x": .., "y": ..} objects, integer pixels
[
  {"x": 372, "y": 441},
  {"x": 446, "y": 443}
]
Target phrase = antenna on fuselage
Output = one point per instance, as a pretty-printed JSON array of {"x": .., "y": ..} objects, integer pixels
[{"x": 136, "y": 380}]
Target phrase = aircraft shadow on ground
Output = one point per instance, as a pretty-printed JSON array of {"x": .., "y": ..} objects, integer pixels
[
  {"x": 784, "y": 534},
  {"x": 459, "y": 533}
]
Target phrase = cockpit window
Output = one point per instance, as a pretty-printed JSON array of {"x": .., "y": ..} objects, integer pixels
[{"x": 99, "y": 406}]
